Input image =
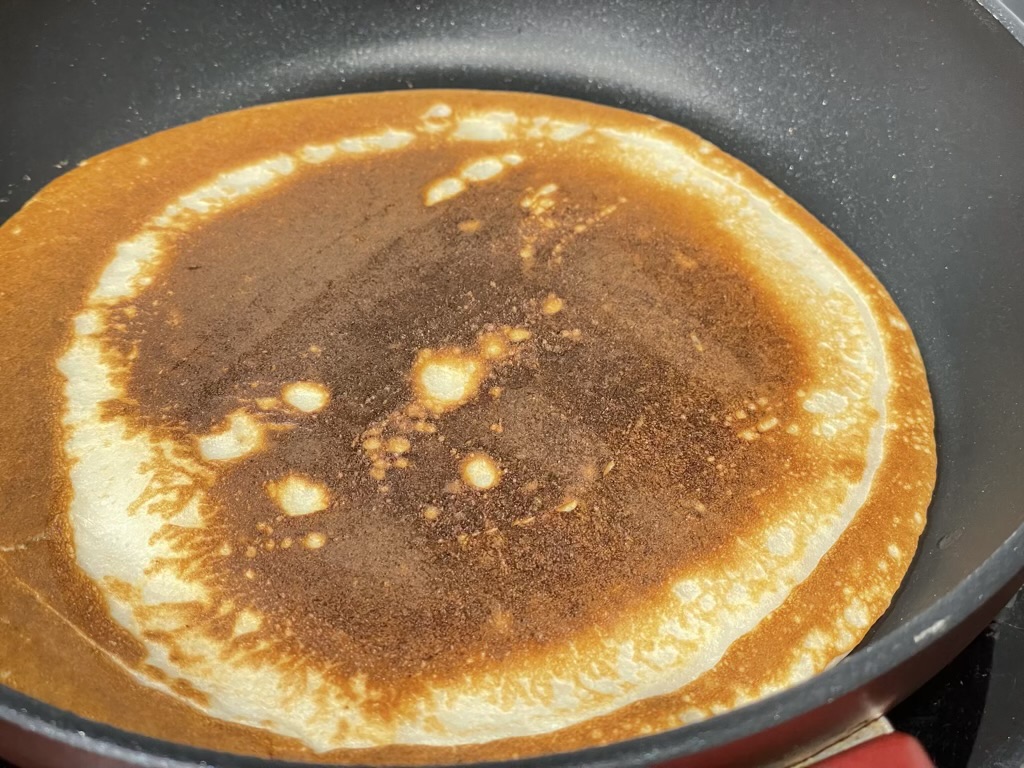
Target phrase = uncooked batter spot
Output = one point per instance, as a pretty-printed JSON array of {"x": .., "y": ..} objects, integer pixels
[
  {"x": 447, "y": 378},
  {"x": 552, "y": 305},
  {"x": 297, "y": 495},
  {"x": 494, "y": 345},
  {"x": 238, "y": 436},
  {"x": 480, "y": 170},
  {"x": 480, "y": 472},
  {"x": 443, "y": 190},
  {"x": 306, "y": 396},
  {"x": 314, "y": 540},
  {"x": 398, "y": 445}
]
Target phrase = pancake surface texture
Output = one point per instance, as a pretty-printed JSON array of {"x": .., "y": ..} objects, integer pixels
[{"x": 447, "y": 425}]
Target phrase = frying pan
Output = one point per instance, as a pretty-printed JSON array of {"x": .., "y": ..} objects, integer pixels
[{"x": 900, "y": 125}]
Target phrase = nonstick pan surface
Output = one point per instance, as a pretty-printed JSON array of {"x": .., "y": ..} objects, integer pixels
[{"x": 900, "y": 125}]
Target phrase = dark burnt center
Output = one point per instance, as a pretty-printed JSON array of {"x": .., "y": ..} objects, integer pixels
[{"x": 608, "y": 423}]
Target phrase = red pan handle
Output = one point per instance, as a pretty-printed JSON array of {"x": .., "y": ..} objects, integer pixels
[{"x": 894, "y": 750}]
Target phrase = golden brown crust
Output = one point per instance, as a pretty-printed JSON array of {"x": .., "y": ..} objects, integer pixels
[{"x": 44, "y": 289}]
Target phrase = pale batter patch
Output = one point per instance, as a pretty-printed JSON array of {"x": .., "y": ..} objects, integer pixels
[
  {"x": 480, "y": 472},
  {"x": 297, "y": 495},
  {"x": 241, "y": 435},
  {"x": 306, "y": 396},
  {"x": 447, "y": 378},
  {"x": 484, "y": 169}
]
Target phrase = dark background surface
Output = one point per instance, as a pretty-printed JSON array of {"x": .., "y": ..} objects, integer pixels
[{"x": 971, "y": 715}]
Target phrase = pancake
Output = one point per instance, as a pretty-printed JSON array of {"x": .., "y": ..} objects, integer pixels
[{"x": 443, "y": 425}]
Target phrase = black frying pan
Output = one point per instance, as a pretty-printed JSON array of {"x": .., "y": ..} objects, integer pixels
[{"x": 899, "y": 124}]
